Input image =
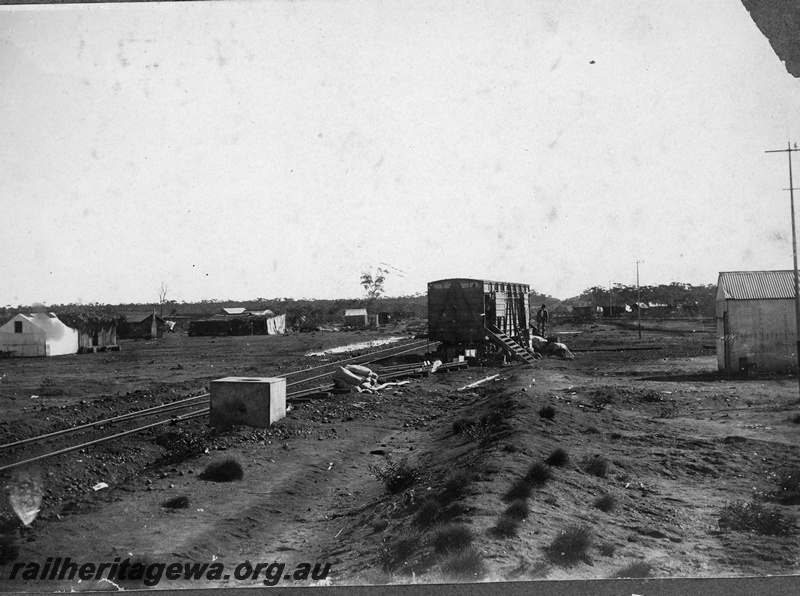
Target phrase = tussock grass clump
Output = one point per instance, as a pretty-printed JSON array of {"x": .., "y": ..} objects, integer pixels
[
  {"x": 519, "y": 489},
  {"x": 402, "y": 552},
  {"x": 460, "y": 424},
  {"x": 668, "y": 409},
  {"x": 547, "y": 412},
  {"x": 180, "y": 502},
  {"x": 479, "y": 430},
  {"x": 466, "y": 564},
  {"x": 607, "y": 550},
  {"x": 494, "y": 418},
  {"x": 452, "y": 538},
  {"x": 9, "y": 549},
  {"x": 538, "y": 474},
  {"x": 755, "y": 517},
  {"x": 597, "y": 466},
  {"x": 789, "y": 482},
  {"x": 600, "y": 398},
  {"x": 571, "y": 546},
  {"x": 226, "y": 470},
  {"x": 430, "y": 510},
  {"x": 606, "y": 503},
  {"x": 558, "y": 458},
  {"x": 789, "y": 479},
  {"x": 397, "y": 476},
  {"x": 518, "y": 509},
  {"x": 456, "y": 484},
  {"x": 638, "y": 569},
  {"x": 506, "y": 527}
]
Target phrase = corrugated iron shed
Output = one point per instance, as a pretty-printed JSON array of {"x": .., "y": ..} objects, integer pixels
[{"x": 755, "y": 285}]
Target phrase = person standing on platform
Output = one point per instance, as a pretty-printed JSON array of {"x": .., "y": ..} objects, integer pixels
[{"x": 542, "y": 317}]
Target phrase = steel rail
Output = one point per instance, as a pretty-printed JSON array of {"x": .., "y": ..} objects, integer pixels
[
  {"x": 181, "y": 404},
  {"x": 103, "y": 439},
  {"x": 130, "y": 415}
]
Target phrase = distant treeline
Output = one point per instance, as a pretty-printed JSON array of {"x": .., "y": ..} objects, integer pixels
[
  {"x": 677, "y": 297},
  {"x": 319, "y": 311}
]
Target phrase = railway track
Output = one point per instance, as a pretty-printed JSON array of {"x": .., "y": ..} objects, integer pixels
[{"x": 199, "y": 404}]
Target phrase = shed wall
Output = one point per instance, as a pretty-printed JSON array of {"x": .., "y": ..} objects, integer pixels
[{"x": 763, "y": 331}]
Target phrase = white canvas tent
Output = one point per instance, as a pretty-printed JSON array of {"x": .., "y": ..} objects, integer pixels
[{"x": 39, "y": 334}]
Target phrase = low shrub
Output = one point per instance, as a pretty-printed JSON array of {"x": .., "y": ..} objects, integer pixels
[
  {"x": 600, "y": 398},
  {"x": 452, "y": 538},
  {"x": 226, "y": 470},
  {"x": 461, "y": 423},
  {"x": 606, "y": 503},
  {"x": 547, "y": 412},
  {"x": 538, "y": 474},
  {"x": 755, "y": 517},
  {"x": 789, "y": 480},
  {"x": 518, "y": 509},
  {"x": 466, "y": 564},
  {"x": 456, "y": 484},
  {"x": 180, "y": 502},
  {"x": 402, "y": 551},
  {"x": 607, "y": 550},
  {"x": 519, "y": 489},
  {"x": 558, "y": 458},
  {"x": 635, "y": 570},
  {"x": 397, "y": 475},
  {"x": 506, "y": 527},
  {"x": 597, "y": 466},
  {"x": 478, "y": 430},
  {"x": 494, "y": 418},
  {"x": 668, "y": 409},
  {"x": 571, "y": 546},
  {"x": 429, "y": 511}
]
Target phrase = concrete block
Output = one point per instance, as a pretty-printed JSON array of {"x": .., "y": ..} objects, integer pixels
[{"x": 251, "y": 401}]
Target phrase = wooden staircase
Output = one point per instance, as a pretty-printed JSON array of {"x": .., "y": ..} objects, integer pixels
[{"x": 509, "y": 346}]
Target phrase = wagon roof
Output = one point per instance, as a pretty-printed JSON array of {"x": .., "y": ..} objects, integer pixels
[{"x": 488, "y": 281}]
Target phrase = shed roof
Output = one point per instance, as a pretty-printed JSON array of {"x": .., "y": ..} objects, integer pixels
[
  {"x": 237, "y": 310},
  {"x": 142, "y": 317},
  {"x": 355, "y": 312},
  {"x": 755, "y": 285}
]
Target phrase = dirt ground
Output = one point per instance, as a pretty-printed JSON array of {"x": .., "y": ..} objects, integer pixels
[{"x": 647, "y": 424}]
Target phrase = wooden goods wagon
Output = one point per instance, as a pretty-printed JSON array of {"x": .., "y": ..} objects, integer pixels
[{"x": 471, "y": 314}]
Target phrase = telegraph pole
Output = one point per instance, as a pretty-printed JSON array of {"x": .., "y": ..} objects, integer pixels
[
  {"x": 638, "y": 300},
  {"x": 788, "y": 151}
]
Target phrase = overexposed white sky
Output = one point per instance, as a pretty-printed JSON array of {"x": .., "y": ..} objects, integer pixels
[{"x": 236, "y": 150}]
